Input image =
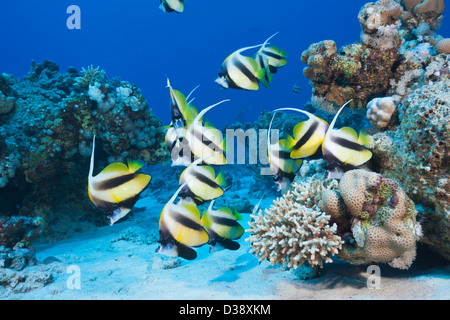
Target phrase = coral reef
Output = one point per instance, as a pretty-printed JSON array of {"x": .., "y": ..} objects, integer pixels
[
  {"x": 417, "y": 11},
  {"x": 414, "y": 73},
  {"x": 16, "y": 236},
  {"x": 46, "y": 140},
  {"x": 361, "y": 70},
  {"x": 416, "y": 154},
  {"x": 380, "y": 110},
  {"x": 377, "y": 216},
  {"x": 294, "y": 231}
]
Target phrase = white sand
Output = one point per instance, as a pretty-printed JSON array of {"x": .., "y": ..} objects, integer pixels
[{"x": 119, "y": 262}]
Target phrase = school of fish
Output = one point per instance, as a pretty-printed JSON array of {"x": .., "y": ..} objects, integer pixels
[{"x": 195, "y": 143}]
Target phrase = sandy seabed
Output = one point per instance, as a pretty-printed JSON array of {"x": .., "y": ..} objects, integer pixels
[{"x": 119, "y": 262}]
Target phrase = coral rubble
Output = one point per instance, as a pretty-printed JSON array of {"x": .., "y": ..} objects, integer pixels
[{"x": 16, "y": 237}]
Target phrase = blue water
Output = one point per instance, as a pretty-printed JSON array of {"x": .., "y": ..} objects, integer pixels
[{"x": 138, "y": 42}]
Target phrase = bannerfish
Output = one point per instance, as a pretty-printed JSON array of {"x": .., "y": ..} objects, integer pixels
[
  {"x": 222, "y": 227},
  {"x": 343, "y": 149},
  {"x": 117, "y": 187},
  {"x": 180, "y": 110},
  {"x": 201, "y": 183},
  {"x": 240, "y": 72},
  {"x": 205, "y": 141},
  {"x": 172, "y": 6},
  {"x": 180, "y": 151},
  {"x": 180, "y": 229},
  {"x": 308, "y": 136},
  {"x": 282, "y": 165},
  {"x": 271, "y": 57}
]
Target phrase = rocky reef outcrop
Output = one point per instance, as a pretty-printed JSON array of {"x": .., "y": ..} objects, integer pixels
[
  {"x": 46, "y": 140},
  {"x": 398, "y": 74}
]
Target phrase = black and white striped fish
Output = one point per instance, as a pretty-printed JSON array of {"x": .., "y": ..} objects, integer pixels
[
  {"x": 343, "y": 148},
  {"x": 206, "y": 141},
  {"x": 240, "y": 72},
  {"x": 180, "y": 229},
  {"x": 117, "y": 187},
  {"x": 308, "y": 136},
  {"x": 201, "y": 183},
  {"x": 282, "y": 165},
  {"x": 222, "y": 227},
  {"x": 172, "y": 6}
]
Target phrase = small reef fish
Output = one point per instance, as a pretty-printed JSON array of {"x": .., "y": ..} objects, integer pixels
[
  {"x": 222, "y": 227},
  {"x": 308, "y": 136},
  {"x": 201, "y": 183},
  {"x": 172, "y": 6},
  {"x": 343, "y": 149},
  {"x": 180, "y": 229},
  {"x": 205, "y": 141},
  {"x": 282, "y": 165},
  {"x": 117, "y": 187},
  {"x": 296, "y": 88}
]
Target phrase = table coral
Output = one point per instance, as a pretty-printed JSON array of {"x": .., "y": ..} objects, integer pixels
[
  {"x": 383, "y": 220},
  {"x": 293, "y": 231}
]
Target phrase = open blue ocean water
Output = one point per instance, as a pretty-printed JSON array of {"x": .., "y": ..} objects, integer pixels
[{"x": 139, "y": 43}]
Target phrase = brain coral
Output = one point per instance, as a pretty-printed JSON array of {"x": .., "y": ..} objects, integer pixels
[
  {"x": 292, "y": 232},
  {"x": 382, "y": 219}
]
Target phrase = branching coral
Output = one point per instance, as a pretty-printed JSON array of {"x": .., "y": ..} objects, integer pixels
[
  {"x": 90, "y": 76},
  {"x": 382, "y": 219},
  {"x": 293, "y": 231}
]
